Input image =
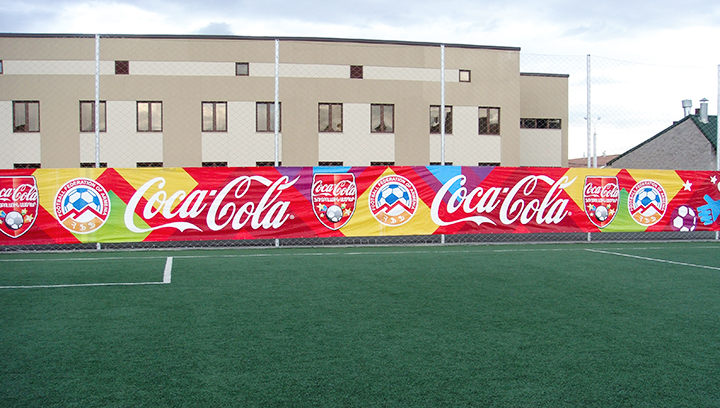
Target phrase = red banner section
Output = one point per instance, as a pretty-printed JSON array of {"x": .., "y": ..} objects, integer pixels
[{"x": 59, "y": 206}]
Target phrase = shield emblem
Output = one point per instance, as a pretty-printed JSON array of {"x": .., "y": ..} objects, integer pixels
[
  {"x": 18, "y": 204},
  {"x": 601, "y": 196},
  {"x": 333, "y": 198}
]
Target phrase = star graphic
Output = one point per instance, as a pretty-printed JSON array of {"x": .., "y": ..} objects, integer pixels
[
  {"x": 612, "y": 211},
  {"x": 346, "y": 212},
  {"x": 687, "y": 186},
  {"x": 320, "y": 207},
  {"x": 713, "y": 179}
]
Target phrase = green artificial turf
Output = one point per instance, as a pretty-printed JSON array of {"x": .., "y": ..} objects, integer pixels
[{"x": 503, "y": 326}]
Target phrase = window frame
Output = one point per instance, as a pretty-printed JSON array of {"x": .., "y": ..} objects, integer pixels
[
  {"x": 214, "y": 105},
  {"x": 489, "y": 127},
  {"x": 150, "y": 122},
  {"x": 103, "y": 116},
  {"x": 382, "y": 127},
  {"x": 122, "y": 67},
  {"x": 540, "y": 123},
  {"x": 469, "y": 75},
  {"x": 149, "y": 164},
  {"x": 270, "y": 117},
  {"x": 246, "y": 66},
  {"x": 448, "y": 123},
  {"x": 329, "y": 128},
  {"x": 1, "y": 67},
  {"x": 356, "y": 72},
  {"x": 25, "y": 128}
]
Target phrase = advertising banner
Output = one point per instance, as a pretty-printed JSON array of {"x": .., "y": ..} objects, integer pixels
[{"x": 64, "y": 206}]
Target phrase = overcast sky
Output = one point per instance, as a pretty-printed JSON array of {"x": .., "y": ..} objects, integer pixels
[{"x": 660, "y": 33}]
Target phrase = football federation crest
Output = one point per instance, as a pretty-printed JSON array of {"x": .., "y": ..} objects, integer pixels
[
  {"x": 333, "y": 198},
  {"x": 393, "y": 200},
  {"x": 82, "y": 205},
  {"x": 647, "y": 202},
  {"x": 601, "y": 196},
  {"x": 18, "y": 204}
]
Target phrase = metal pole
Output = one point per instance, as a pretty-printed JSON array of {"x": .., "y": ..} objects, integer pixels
[
  {"x": 442, "y": 104},
  {"x": 97, "y": 109},
  {"x": 277, "y": 103},
  {"x": 717, "y": 139},
  {"x": 97, "y": 101},
  {"x": 442, "y": 114},
  {"x": 588, "y": 117},
  {"x": 277, "y": 111}
]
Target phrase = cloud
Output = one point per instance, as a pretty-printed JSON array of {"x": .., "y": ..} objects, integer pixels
[{"x": 215, "y": 29}]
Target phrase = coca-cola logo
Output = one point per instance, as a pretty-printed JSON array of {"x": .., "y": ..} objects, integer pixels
[
  {"x": 333, "y": 198},
  {"x": 533, "y": 199},
  {"x": 601, "y": 196},
  {"x": 18, "y": 204},
  {"x": 246, "y": 200}
]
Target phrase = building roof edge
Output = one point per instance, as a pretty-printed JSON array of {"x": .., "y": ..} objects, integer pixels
[{"x": 261, "y": 38}]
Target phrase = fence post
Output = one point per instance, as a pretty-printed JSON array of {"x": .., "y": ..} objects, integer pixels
[
  {"x": 97, "y": 101},
  {"x": 717, "y": 138}
]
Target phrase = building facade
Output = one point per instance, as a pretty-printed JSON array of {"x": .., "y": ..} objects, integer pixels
[{"x": 209, "y": 100}]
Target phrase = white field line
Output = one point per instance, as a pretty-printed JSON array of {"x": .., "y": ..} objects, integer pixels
[
  {"x": 274, "y": 254},
  {"x": 167, "y": 276},
  {"x": 653, "y": 259}
]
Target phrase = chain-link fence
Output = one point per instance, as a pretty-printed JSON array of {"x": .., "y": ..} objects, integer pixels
[{"x": 190, "y": 101}]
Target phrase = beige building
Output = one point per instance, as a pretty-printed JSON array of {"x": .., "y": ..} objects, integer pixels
[{"x": 209, "y": 100}]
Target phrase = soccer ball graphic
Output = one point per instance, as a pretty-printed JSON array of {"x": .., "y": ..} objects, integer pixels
[
  {"x": 601, "y": 213},
  {"x": 684, "y": 219},
  {"x": 393, "y": 194},
  {"x": 647, "y": 196},
  {"x": 79, "y": 199},
  {"x": 14, "y": 220},
  {"x": 334, "y": 213}
]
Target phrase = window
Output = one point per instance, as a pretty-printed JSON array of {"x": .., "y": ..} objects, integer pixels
[
  {"x": 242, "y": 69},
  {"x": 1, "y": 67},
  {"x": 532, "y": 123},
  {"x": 149, "y": 164},
  {"x": 489, "y": 121},
  {"x": 330, "y": 163},
  {"x": 89, "y": 165},
  {"x": 265, "y": 117},
  {"x": 440, "y": 164},
  {"x": 214, "y": 116},
  {"x": 330, "y": 117},
  {"x": 87, "y": 116},
  {"x": 122, "y": 67},
  {"x": 492, "y": 164},
  {"x": 356, "y": 71},
  {"x": 149, "y": 117},
  {"x": 435, "y": 119},
  {"x": 382, "y": 118},
  {"x": 26, "y": 165},
  {"x": 215, "y": 164},
  {"x": 382, "y": 163},
  {"x": 464, "y": 75},
  {"x": 266, "y": 163},
  {"x": 26, "y": 116}
]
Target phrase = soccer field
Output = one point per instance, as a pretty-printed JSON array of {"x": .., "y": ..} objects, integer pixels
[{"x": 427, "y": 326}]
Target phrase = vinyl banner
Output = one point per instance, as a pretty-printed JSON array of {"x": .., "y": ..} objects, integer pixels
[{"x": 62, "y": 206}]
